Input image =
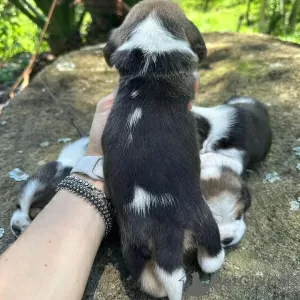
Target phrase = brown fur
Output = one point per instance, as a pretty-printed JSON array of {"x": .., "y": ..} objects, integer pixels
[
  {"x": 229, "y": 182},
  {"x": 171, "y": 15}
]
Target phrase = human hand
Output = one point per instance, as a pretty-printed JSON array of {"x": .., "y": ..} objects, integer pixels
[{"x": 102, "y": 112}]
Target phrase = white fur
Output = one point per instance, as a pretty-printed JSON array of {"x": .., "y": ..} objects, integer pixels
[
  {"x": 152, "y": 37},
  {"x": 220, "y": 118},
  {"x": 232, "y": 229},
  {"x": 134, "y": 94},
  {"x": 71, "y": 154},
  {"x": 242, "y": 100},
  {"x": 134, "y": 117},
  {"x": 211, "y": 163},
  {"x": 143, "y": 200},
  {"x": 210, "y": 172},
  {"x": 210, "y": 264},
  {"x": 26, "y": 198},
  {"x": 223, "y": 209},
  {"x": 173, "y": 282},
  {"x": 234, "y": 155},
  {"x": 20, "y": 220}
]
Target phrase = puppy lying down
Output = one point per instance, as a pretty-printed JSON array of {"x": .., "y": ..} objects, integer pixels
[
  {"x": 236, "y": 136},
  {"x": 40, "y": 188},
  {"x": 222, "y": 166}
]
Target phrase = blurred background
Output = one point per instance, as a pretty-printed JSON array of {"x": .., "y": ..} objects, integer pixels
[{"x": 78, "y": 23}]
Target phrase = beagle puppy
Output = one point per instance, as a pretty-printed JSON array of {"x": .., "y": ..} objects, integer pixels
[
  {"x": 151, "y": 161},
  {"x": 39, "y": 189},
  {"x": 236, "y": 136}
]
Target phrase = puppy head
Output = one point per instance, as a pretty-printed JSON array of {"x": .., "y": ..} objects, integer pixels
[
  {"x": 35, "y": 194},
  {"x": 19, "y": 222},
  {"x": 228, "y": 198},
  {"x": 155, "y": 26}
]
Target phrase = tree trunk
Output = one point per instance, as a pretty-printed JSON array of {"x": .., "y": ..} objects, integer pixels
[
  {"x": 294, "y": 16},
  {"x": 248, "y": 12},
  {"x": 262, "y": 16},
  {"x": 206, "y": 4},
  {"x": 59, "y": 45},
  {"x": 282, "y": 8},
  {"x": 106, "y": 15}
]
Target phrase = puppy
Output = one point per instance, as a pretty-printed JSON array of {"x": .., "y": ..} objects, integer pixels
[
  {"x": 39, "y": 189},
  {"x": 238, "y": 129},
  {"x": 236, "y": 136},
  {"x": 151, "y": 161}
]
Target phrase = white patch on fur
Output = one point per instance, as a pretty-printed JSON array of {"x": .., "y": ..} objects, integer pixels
[
  {"x": 234, "y": 155},
  {"x": 210, "y": 264},
  {"x": 130, "y": 139},
  {"x": 26, "y": 197},
  {"x": 150, "y": 284},
  {"x": 20, "y": 220},
  {"x": 143, "y": 200},
  {"x": 134, "y": 94},
  {"x": 224, "y": 209},
  {"x": 234, "y": 229},
  {"x": 242, "y": 100},
  {"x": 220, "y": 118},
  {"x": 134, "y": 117},
  {"x": 71, "y": 154},
  {"x": 173, "y": 282},
  {"x": 210, "y": 172},
  {"x": 211, "y": 163},
  {"x": 151, "y": 36}
]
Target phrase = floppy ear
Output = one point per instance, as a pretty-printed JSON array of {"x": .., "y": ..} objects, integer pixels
[
  {"x": 114, "y": 41},
  {"x": 196, "y": 40},
  {"x": 108, "y": 50},
  {"x": 246, "y": 197}
]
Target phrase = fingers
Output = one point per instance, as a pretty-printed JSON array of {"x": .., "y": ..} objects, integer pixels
[{"x": 105, "y": 103}]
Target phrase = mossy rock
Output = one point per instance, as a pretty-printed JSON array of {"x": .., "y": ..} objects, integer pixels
[{"x": 266, "y": 265}]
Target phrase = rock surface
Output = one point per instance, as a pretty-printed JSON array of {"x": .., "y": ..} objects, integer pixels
[{"x": 266, "y": 265}]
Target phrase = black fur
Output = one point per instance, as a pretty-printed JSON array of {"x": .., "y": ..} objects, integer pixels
[
  {"x": 253, "y": 129},
  {"x": 162, "y": 158},
  {"x": 49, "y": 175},
  {"x": 250, "y": 131}
]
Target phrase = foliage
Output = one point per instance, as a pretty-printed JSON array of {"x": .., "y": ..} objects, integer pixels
[
  {"x": 17, "y": 33},
  {"x": 277, "y": 17},
  {"x": 21, "y": 21}
]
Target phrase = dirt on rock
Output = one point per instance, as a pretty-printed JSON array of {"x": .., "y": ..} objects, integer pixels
[{"x": 266, "y": 265}]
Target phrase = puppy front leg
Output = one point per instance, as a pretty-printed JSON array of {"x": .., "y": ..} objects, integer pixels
[{"x": 210, "y": 254}]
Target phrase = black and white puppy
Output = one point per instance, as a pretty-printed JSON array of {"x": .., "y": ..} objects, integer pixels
[
  {"x": 236, "y": 136},
  {"x": 39, "y": 189},
  {"x": 151, "y": 161}
]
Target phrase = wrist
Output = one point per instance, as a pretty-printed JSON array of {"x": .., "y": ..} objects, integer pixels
[
  {"x": 98, "y": 184},
  {"x": 92, "y": 192}
]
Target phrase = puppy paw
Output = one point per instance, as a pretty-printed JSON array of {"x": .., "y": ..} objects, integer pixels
[{"x": 208, "y": 263}]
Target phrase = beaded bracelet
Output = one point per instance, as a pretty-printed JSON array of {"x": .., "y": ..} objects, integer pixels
[{"x": 91, "y": 195}]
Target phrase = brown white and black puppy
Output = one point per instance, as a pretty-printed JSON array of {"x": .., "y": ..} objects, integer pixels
[
  {"x": 151, "y": 161},
  {"x": 39, "y": 189},
  {"x": 236, "y": 136}
]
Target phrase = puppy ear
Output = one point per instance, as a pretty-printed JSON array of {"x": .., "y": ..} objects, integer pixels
[
  {"x": 196, "y": 40},
  {"x": 108, "y": 50},
  {"x": 114, "y": 41},
  {"x": 246, "y": 197}
]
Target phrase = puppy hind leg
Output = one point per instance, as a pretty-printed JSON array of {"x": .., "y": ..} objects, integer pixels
[
  {"x": 169, "y": 268},
  {"x": 210, "y": 254},
  {"x": 138, "y": 262}
]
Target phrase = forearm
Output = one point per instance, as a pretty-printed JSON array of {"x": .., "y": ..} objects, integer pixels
[{"x": 53, "y": 257}]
